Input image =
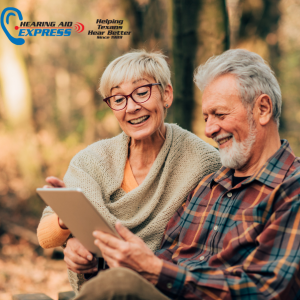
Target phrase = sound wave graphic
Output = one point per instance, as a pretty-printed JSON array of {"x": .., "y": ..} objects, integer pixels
[{"x": 79, "y": 27}]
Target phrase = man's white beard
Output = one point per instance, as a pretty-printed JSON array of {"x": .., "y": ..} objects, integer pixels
[{"x": 236, "y": 156}]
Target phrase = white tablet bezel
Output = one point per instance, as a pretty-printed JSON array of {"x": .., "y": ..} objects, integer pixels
[{"x": 78, "y": 214}]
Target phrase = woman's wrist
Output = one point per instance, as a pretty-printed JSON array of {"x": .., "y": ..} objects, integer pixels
[{"x": 64, "y": 245}]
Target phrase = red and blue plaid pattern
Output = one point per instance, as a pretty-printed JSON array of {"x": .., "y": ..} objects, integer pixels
[{"x": 239, "y": 242}]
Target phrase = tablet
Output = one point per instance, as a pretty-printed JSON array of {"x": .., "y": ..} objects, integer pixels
[{"x": 78, "y": 213}]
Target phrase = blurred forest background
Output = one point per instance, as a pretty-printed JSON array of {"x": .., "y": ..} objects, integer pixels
[{"x": 50, "y": 110}]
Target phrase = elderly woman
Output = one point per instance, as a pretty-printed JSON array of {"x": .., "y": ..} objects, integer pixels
[{"x": 140, "y": 177}]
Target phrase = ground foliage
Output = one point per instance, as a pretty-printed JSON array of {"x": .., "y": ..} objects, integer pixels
[{"x": 23, "y": 270}]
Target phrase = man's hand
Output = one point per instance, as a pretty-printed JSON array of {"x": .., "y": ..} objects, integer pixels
[
  {"x": 78, "y": 258},
  {"x": 131, "y": 253}
]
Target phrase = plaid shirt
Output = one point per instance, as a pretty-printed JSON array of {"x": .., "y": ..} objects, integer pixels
[{"x": 239, "y": 242}]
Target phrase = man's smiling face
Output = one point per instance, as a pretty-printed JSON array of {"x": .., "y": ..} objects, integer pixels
[{"x": 227, "y": 121}]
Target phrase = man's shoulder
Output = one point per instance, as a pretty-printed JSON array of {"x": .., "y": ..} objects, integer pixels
[
  {"x": 203, "y": 184},
  {"x": 294, "y": 174},
  {"x": 284, "y": 160},
  {"x": 287, "y": 194},
  {"x": 293, "y": 169}
]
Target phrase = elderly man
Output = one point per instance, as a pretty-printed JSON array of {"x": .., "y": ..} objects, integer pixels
[{"x": 238, "y": 234}]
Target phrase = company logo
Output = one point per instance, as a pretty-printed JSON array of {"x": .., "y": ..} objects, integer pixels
[
  {"x": 17, "y": 41},
  {"x": 79, "y": 27},
  {"x": 36, "y": 28}
]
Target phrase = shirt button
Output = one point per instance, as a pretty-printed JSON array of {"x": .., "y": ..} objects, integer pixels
[
  {"x": 216, "y": 228},
  {"x": 201, "y": 257},
  {"x": 169, "y": 285},
  {"x": 229, "y": 194}
]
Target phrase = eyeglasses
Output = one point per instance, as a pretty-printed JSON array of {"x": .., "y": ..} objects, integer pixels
[{"x": 139, "y": 95}]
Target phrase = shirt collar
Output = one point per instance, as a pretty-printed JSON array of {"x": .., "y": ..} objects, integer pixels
[{"x": 272, "y": 173}]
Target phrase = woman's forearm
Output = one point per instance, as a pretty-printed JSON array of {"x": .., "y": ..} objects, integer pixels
[{"x": 50, "y": 234}]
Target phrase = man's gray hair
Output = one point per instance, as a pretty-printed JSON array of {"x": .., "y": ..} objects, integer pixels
[{"x": 254, "y": 77}]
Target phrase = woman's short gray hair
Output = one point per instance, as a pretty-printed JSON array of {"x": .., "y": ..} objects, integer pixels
[
  {"x": 135, "y": 65},
  {"x": 254, "y": 77}
]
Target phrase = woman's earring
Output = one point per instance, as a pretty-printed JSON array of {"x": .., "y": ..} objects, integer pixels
[{"x": 166, "y": 105}]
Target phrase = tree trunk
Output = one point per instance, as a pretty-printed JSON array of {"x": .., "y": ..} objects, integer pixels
[
  {"x": 200, "y": 30},
  {"x": 258, "y": 28},
  {"x": 15, "y": 89},
  {"x": 260, "y": 22},
  {"x": 148, "y": 24}
]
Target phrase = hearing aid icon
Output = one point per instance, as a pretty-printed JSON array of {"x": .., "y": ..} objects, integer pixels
[{"x": 16, "y": 41}]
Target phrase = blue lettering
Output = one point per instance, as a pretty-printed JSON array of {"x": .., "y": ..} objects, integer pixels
[
  {"x": 52, "y": 32},
  {"x": 22, "y": 32},
  {"x": 60, "y": 32},
  {"x": 37, "y": 31},
  {"x": 45, "y": 32},
  {"x": 67, "y": 32},
  {"x": 29, "y": 32}
]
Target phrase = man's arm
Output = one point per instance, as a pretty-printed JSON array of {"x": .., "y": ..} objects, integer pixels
[
  {"x": 173, "y": 229},
  {"x": 131, "y": 252},
  {"x": 270, "y": 271}
]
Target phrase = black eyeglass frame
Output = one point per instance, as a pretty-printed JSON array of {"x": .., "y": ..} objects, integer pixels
[{"x": 130, "y": 95}]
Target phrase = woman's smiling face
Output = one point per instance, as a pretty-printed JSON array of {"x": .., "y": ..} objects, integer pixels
[{"x": 142, "y": 120}]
